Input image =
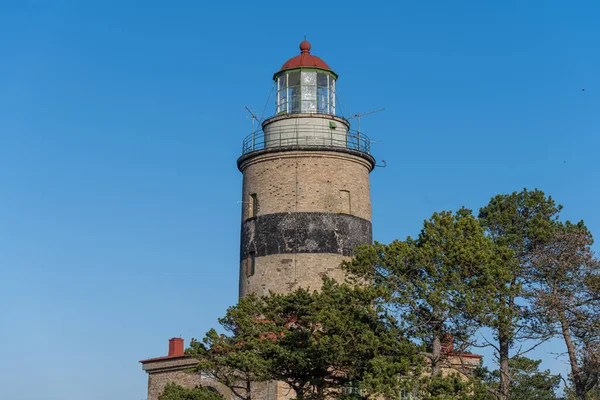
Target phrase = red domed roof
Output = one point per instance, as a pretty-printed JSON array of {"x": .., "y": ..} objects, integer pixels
[{"x": 305, "y": 59}]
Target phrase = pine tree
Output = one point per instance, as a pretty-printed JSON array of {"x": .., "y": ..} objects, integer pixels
[
  {"x": 526, "y": 380},
  {"x": 322, "y": 344},
  {"x": 437, "y": 283},
  {"x": 176, "y": 392},
  {"x": 563, "y": 291},
  {"x": 517, "y": 223}
]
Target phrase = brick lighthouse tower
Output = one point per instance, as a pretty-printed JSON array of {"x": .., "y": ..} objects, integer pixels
[
  {"x": 306, "y": 204},
  {"x": 305, "y": 196}
]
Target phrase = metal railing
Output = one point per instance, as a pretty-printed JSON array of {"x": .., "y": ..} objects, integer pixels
[{"x": 305, "y": 136}]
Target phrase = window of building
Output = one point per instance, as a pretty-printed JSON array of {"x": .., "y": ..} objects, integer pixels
[
  {"x": 251, "y": 264},
  {"x": 253, "y": 205},
  {"x": 352, "y": 390},
  {"x": 323, "y": 106},
  {"x": 309, "y": 92},
  {"x": 306, "y": 91},
  {"x": 294, "y": 92},
  {"x": 344, "y": 205},
  {"x": 282, "y": 103}
]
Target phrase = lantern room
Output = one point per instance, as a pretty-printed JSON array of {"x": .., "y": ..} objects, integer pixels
[
  {"x": 305, "y": 114},
  {"x": 305, "y": 85}
]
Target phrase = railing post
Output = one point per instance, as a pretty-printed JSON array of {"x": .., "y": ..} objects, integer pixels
[{"x": 320, "y": 135}]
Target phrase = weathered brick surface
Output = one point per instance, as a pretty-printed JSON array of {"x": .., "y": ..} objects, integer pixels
[
  {"x": 282, "y": 273},
  {"x": 291, "y": 181},
  {"x": 307, "y": 181},
  {"x": 297, "y": 182},
  {"x": 303, "y": 232},
  {"x": 166, "y": 371}
]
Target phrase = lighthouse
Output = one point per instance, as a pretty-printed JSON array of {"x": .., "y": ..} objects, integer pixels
[
  {"x": 306, "y": 204},
  {"x": 306, "y": 200}
]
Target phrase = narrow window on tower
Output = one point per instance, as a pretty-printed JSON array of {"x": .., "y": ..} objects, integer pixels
[
  {"x": 344, "y": 205},
  {"x": 252, "y": 206},
  {"x": 251, "y": 264}
]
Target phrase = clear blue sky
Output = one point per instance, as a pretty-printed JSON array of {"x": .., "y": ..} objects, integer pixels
[{"x": 121, "y": 121}]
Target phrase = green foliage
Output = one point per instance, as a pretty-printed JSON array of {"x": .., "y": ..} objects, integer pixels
[
  {"x": 565, "y": 300},
  {"x": 450, "y": 387},
  {"x": 516, "y": 269},
  {"x": 436, "y": 283},
  {"x": 318, "y": 343},
  {"x": 326, "y": 340},
  {"x": 527, "y": 381},
  {"x": 530, "y": 383},
  {"x": 235, "y": 360},
  {"x": 518, "y": 223},
  {"x": 176, "y": 392},
  {"x": 588, "y": 378},
  {"x": 520, "y": 220}
]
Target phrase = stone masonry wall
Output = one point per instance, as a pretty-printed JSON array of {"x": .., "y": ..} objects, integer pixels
[
  {"x": 283, "y": 273},
  {"x": 161, "y": 372},
  {"x": 313, "y": 208},
  {"x": 297, "y": 232},
  {"x": 307, "y": 181},
  {"x": 157, "y": 381}
]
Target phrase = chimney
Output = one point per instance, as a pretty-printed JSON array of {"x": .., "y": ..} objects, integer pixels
[
  {"x": 176, "y": 347},
  {"x": 448, "y": 344}
]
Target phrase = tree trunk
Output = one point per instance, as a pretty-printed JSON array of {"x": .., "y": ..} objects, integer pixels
[
  {"x": 248, "y": 389},
  {"x": 575, "y": 372},
  {"x": 299, "y": 388},
  {"x": 503, "y": 344},
  {"x": 436, "y": 355}
]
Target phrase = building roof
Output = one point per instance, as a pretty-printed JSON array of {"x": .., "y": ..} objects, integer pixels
[
  {"x": 149, "y": 360},
  {"x": 305, "y": 59},
  {"x": 176, "y": 350}
]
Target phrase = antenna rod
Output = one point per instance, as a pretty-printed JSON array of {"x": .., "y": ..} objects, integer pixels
[
  {"x": 254, "y": 117},
  {"x": 358, "y": 115}
]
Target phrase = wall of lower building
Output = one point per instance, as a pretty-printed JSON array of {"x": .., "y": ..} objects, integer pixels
[
  {"x": 173, "y": 370},
  {"x": 158, "y": 381},
  {"x": 165, "y": 371}
]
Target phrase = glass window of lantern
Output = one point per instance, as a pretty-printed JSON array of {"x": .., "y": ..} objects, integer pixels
[
  {"x": 294, "y": 96},
  {"x": 322, "y": 100},
  {"x": 304, "y": 91},
  {"x": 294, "y": 92},
  {"x": 282, "y": 104},
  {"x": 322, "y": 80},
  {"x": 282, "y": 94},
  {"x": 331, "y": 95},
  {"x": 322, "y": 93},
  {"x": 293, "y": 78},
  {"x": 309, "y": 92}
]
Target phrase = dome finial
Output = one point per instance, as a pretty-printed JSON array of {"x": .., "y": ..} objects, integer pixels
[{"x": 305, "y": 46}]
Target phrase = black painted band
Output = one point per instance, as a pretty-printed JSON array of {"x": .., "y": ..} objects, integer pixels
[{"x": 304, "y": 232}]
